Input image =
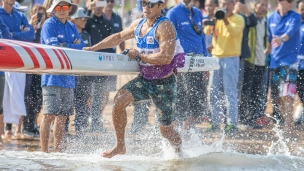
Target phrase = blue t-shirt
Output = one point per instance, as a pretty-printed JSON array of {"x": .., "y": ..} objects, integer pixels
[
  {"x": 15, "y": 23},
  {"x": 53, "y": 33},
  {"x": 190, "y": 40},
  {"x": 286, "y": 54}
]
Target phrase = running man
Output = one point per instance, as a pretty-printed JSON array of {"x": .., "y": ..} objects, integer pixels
[{"x": 159, "y": 52}]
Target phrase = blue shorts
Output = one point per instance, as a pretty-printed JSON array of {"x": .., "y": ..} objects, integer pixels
[
  {"x": 161, "y": 91},
  {"x": 283, "y": 81}
]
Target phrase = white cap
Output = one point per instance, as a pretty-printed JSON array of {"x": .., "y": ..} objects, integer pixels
[
  {"x": 20, "y": 8},
  {"x": 80, "y": 13},
  {"x": 56, "y": 2}
]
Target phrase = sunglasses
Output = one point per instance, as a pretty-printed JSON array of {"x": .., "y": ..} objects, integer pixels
[
  {"x": 149, "y": 4},
  {"x": 289, "y": 1},
  {"x": 62, "y": 7},
  {"x": 112, "y": 1}
]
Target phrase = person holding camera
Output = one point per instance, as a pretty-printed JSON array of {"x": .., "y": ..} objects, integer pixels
[
  {"x": 191, "y": 87},
  {"x": 226, "y": 48},
  {"x": 284, "y": 28}
]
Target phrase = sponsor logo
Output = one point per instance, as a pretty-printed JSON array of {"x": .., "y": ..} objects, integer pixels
[
  {"x": 120, "y": 58},
  {"x": 53, "y": 39},
  {"x": 150, "y": 40},
  {"x": 100, "y": 57},
  {"x": 185, "y": 23},
  {"x": 108, "y": 58},
  {"x": 273, "y": 24},
  {"x": 60, "y": 36},
  {"x": 116, "y": 25},
  {"x": 199, "y": 63},
  {"x": 136, "y": 38}
]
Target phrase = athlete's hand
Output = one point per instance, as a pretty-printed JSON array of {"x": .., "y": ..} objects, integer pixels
[
  {"x": 132, "y": 53},
  {"x": 88, "y": 48}
]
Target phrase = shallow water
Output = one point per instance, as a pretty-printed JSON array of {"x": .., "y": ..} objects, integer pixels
[
  {"x": 215, "y": 161},
  {"x": 147, "y": 152}
]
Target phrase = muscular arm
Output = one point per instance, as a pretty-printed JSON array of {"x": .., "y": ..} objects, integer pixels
[
  {"x": 115, "y": 39},
  {"x": 166, "y": 35}
]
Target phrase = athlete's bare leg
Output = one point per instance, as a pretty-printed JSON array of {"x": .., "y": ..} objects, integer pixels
[
  {"x": 172, "y": 136},
  {"x": 119, "y": 116}
]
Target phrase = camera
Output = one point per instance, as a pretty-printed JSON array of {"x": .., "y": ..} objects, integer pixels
[
  {"x": 39, "y": 16},
  {"x": 197, "y": 29},
  {"x": 209, "y": 23},
  {"x": 101, "y": 3},
  {"x": 220, "y": 13}
]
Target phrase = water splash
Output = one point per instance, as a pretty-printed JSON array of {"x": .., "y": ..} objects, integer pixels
[{"x": 280, "y": 146}]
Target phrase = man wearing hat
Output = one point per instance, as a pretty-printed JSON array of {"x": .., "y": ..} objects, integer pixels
[
  {"x": 20, "y": 8},
  {"x": 159, "y": 53},
  {"x": 58, "y": 90}
]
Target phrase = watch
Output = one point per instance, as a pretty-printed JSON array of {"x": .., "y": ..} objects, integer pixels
[
  {"x": 138, "y": 58},
  {"x": 283, "y": 39}
]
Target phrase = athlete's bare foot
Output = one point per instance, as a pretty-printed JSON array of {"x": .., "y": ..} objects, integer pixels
[{"x": 116, "y": 150}]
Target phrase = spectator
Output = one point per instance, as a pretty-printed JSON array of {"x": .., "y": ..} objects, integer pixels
[
  {"x": 284, "y": 42},
  {"x": 226, "y": 48},
  {"x": 83, "y": 86},
  {"x": 47, "y": 5},
  {"x": 300, "y": 78},
  {"x": 58, "y": 90},
  {"x": 191, "y": 99},
  {"x": 5, "y": 34},
  {"x": 210, "y": 6},
  {"x": 115, "y": 19},
  {"x": 14, "y": 90},
  {"x": 254, "y": 94},
  {"x": 250, "y": 21},
  {"x": 33, "y": 100},
  {"x": 99, "y": 28}
]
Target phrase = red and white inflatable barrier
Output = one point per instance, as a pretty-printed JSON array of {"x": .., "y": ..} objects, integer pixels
[{"x": 37, "y": 58}]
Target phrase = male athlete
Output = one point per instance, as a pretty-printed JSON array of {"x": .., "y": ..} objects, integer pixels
[{"x": 159, "y": 53}]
